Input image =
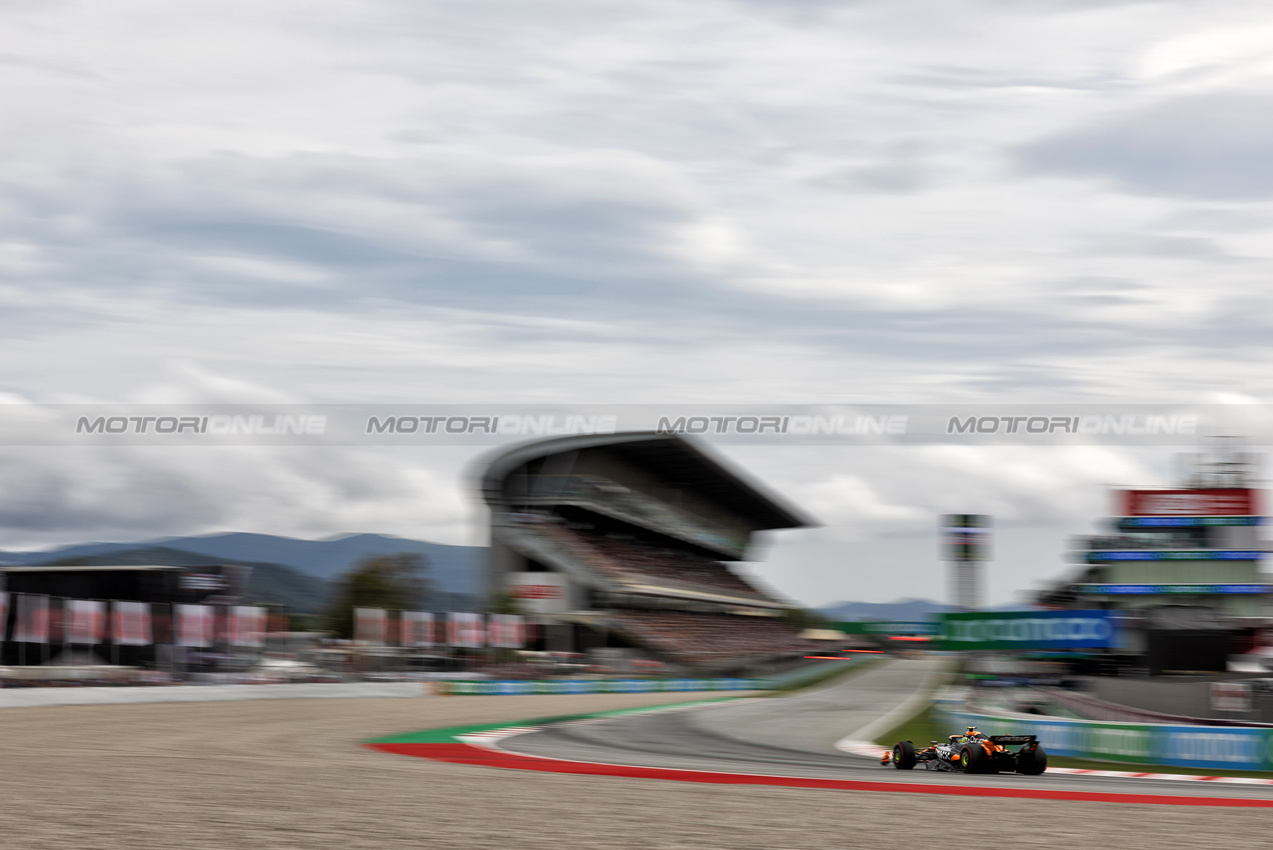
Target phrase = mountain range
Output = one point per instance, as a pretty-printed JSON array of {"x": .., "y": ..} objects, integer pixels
[
  {"x": 297, "y": 573},
  {"x": 903, "y": 610}
]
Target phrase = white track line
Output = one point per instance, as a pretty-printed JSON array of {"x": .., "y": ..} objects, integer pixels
[
  {"x": 490, "y": 740},
  {"x": 861, "y": 742}
]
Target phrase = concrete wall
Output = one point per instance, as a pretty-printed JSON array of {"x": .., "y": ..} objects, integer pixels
[
  {"x": 38, "y": 697},
  {"x": 1186, "y": 697}
]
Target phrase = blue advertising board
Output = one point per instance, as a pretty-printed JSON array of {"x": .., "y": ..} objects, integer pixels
[
  {"x": 1028, "y": 630},
  {"x": 1156, "y": 589},
  {"x": 1105, "y": 556}
]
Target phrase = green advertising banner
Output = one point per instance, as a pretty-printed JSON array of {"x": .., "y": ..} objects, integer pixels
[{"x": 987, "y": 630}]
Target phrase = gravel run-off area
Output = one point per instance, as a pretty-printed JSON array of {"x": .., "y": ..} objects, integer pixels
[{"x": 291, "y": 774}]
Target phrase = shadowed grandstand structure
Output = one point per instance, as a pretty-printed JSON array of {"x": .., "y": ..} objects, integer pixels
[{"x": 625, "y": 541}]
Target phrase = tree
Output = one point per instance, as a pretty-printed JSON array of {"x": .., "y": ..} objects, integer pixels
[
  {"x": 802, "y": 619},
  {"x": 393, "y": 582},
  {"x": 503, "y": 602}
]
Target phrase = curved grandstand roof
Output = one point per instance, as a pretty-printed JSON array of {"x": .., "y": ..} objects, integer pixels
[{"x": 671, "y": 455}]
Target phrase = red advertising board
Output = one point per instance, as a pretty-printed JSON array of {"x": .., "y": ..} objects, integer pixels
[{"x": 1227, "y": 502}]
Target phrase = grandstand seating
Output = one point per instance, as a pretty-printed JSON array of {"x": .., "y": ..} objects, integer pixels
[
  {"x": 708, "y": 638},
  {"x": 626, "y": 559},
  {"x": 671, "y": 565}
]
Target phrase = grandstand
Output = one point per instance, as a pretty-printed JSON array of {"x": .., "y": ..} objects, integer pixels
[{"x": 627, "y": 541}]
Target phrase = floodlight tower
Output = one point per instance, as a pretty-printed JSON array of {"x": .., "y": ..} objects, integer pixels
[{"x": 965, "y": 545}]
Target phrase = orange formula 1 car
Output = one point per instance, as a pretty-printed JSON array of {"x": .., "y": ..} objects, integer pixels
[{"x": 972, "y": 752}]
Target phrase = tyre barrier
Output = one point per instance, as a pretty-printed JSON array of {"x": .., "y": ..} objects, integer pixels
[{"x": 1206, "y": 747}]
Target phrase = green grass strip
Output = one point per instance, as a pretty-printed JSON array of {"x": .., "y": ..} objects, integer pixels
[
  {"x": 921, "y": 728},
  {"x": 448, "y": 734}
]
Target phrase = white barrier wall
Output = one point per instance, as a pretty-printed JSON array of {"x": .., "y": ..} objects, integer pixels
[{"x": 36, "y": 697}]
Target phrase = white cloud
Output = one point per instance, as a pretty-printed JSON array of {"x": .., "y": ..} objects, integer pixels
[{"x": 639, "y": 202}]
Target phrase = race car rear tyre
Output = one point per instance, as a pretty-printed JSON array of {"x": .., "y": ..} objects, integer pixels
[
  {"x": 904, "y": 755},
  {"x": 1032, "y": 764},
  {"x": 972, "y": 760}
]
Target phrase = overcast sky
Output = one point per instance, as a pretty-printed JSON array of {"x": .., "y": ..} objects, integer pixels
[{"x": 503, "y": 201}]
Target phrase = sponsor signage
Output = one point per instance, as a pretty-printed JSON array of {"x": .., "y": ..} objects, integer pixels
[
  {"x": 1208, "y": 747},
  {"x": 369, "y": 625},
  {"x": 1106, "y": 555},
  {"x": 1160, "y": 503},
  {"x": 84, "y": 620},
  {"x": 1028, "y": 630},
  {"x": 506, "y": 631},
  {"x": 539, "y": 593},
  {"x": 1131, "y": 522},
  {"x": 416, "y": 628},
  {"x": 194, "y": 625},
  {"x": 1230, "y": 696},
  {"x": 247, "y": 626},
  {"x": 466, "y": 630},
  {"x": 32, "y": 624},
  {"x": 202, "y": 581},
  {"x": 130, "y": 624},
  {"x": 1206, "y": 589}
]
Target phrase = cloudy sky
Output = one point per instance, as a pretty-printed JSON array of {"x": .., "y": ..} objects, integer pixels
[{"x": 758, "y": 201}]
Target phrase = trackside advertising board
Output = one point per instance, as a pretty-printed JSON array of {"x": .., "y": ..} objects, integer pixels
[
  {"x": 1028, "y": 630},
  {"x": 1225, "y": 502},
  {"x": 1206, "y": 747}
]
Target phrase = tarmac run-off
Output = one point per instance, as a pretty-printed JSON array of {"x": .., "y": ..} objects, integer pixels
[{"x": 800, "y": 741}]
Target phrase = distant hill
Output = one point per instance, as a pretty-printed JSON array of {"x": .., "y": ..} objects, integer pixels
[
  {"x": 272, "y": 583},
  {"x": 903, "y": 609},
  {"x": 290, "y": 568}
]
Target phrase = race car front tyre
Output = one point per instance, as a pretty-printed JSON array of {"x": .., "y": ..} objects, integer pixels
[
  {"x": 1032, "y": 763},
  {"x": 904, "y": 755},
  {"x": 972, "y": 760}
]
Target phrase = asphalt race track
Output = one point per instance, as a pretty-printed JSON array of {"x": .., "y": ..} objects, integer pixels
[
  {"x": 296, "y": 775},
  {"x": 795, "y": 736}
]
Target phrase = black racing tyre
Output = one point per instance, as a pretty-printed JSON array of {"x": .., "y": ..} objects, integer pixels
[
  {"x": 904, "y": 755},
  {"x": 1032, "y": 764},
  {"x": 972, "y": 759}
]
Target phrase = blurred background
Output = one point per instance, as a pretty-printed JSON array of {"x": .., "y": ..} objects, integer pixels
[{"x": 742, "y": 201}]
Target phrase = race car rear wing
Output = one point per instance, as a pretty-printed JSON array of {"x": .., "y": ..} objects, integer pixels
[{"x": 1014, "y": 739}]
